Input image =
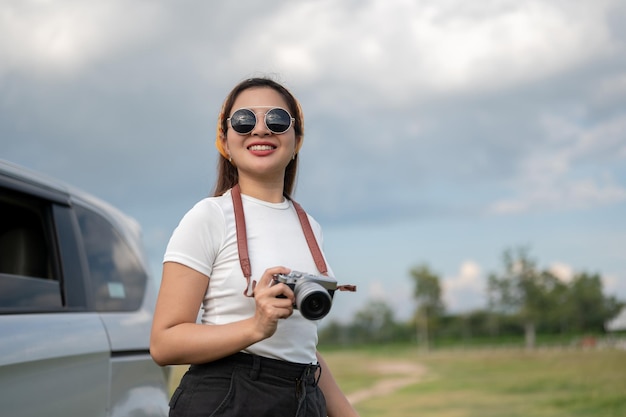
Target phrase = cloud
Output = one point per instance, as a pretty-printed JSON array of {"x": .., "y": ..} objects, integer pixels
[
  {"x": 614, "y": 286},
  {"x": 376, "y": 290},
  {"x": 432, "y": 47},
  {"x": 556, "y": 176},
  {"x": 611, "y": 283},
  {"x": 465, "y": 290},
  {"x": 566, "y": 195},
  {"x": 562, "y": 271},
  {"x": 443, "y": 112},
  {"x": 47, "y": 38}
]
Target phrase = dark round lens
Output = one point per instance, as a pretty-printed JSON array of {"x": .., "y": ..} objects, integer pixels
[
  {"x": 312, "y": 300},
  {"x": 316, "y": 305},
  {"x": 243, "y": 121},
  {"x": 278, "y": 120}
]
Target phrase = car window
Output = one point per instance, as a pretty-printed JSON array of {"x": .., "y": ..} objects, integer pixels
[
  {"x": 28, "y": 277},
  {"x": 117, "y": 277}
]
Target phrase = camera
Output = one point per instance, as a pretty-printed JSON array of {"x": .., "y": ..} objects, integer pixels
[{"x": 314, "y": 293}]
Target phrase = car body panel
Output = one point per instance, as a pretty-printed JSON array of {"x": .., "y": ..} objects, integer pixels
[
  {"x": 46, "y": 359},
  {"x": 136, "y": 390},
  {"x": 75, "y": 357}
]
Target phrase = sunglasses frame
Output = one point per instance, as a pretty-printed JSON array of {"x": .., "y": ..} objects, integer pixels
[{"x": 270, "y": 108}]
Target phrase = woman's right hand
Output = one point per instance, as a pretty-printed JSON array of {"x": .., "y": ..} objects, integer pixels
[
  {"x": 178, "y": 339},
  {"x": 269, "y": 307}
]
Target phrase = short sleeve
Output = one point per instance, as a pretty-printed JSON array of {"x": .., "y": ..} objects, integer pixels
[{"x": 198, "y": 237}]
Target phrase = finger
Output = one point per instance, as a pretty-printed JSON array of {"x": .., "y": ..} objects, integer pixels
[
  {"x": 268, "y": 276},
  {"x": 274, "y": 308},
  {"x": 276, "y": 293},
  {"x": 284, "y": 311},
  {"x": 284, "y": 291},
  {"x": 286, "y": 295}
]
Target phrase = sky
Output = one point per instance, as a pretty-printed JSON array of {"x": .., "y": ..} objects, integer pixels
[{"x": 437, "y": 132}]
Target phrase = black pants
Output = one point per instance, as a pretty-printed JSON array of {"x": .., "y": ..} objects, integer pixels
[{"x": 250, "y": 386}]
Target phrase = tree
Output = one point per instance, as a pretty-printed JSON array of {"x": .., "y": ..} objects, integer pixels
[
  {"x": 521, "y": 290},
  {"x": 587, "y": 307},
  {"x": 427, "y": 294},
  {"x": 375, "y": 322}
]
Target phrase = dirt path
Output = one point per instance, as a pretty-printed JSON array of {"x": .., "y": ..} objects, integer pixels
[{"x": 401, "y": 374}]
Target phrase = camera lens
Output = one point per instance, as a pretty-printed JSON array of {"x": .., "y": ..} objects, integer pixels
[{"x": 312, "y": 300}]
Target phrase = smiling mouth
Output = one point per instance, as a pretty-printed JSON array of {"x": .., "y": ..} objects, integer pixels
[{"x": 261, "y": 148}]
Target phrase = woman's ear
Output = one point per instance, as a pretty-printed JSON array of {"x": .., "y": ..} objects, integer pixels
[
  {"x": 220, "y": 140},
  {"x": 224, "y": 144}
]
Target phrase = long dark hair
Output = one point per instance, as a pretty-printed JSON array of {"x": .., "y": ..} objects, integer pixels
[{"x": 227, "y": 175}]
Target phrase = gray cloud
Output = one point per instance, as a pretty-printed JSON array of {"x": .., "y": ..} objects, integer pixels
[{"x": 414, "y": 110}]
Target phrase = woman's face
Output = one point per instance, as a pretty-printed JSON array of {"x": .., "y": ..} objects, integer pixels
[{"x": 260, "y": 153}]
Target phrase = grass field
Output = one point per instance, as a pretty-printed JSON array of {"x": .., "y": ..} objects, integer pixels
[
  {"x": 482, "y": 382},
  {"x": 489, "y": 383}
]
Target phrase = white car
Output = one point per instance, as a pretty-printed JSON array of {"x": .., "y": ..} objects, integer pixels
[{"x": 76, "y": 305}]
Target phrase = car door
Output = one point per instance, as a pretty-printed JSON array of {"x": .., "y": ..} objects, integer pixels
[
  {"x": 124, "y": 297},
  {"x": 54, "y": 352}
]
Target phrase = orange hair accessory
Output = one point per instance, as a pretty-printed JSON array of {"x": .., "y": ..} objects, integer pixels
[{"x": 219, "y": 142}]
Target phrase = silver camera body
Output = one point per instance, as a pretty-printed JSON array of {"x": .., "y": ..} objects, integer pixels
[{"x": 314, "y": 293}]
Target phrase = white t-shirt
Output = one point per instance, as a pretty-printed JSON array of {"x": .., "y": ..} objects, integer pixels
[{"x": 206, "y": 241}]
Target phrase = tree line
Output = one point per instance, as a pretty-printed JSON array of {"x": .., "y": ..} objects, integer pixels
[{"x": 523, "y": 301}]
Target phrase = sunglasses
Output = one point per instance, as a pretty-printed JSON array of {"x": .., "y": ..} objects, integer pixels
[{"x": 277, "y": 120}]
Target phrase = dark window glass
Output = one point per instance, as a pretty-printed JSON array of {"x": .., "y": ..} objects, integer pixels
[
  {"x": 117, "y": 277},
  {"x": 28, "y": 281}
]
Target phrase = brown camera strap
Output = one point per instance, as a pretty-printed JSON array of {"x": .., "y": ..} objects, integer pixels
[{"x": 242, "y": 242}]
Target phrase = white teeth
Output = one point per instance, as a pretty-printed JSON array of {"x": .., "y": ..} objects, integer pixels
[{"x": 261, "y": 148}]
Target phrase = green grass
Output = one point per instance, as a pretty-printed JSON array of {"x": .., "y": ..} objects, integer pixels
[
  {"x": 487, "y": 382},
  {"x": 490, "y": 383}
]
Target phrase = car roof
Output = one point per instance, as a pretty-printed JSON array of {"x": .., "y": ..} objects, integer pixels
[{"x": 65, "y": 193}]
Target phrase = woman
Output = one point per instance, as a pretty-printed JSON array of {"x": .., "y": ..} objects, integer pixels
[{"x": 253, "y": 354}]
